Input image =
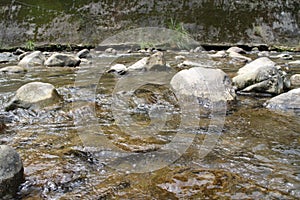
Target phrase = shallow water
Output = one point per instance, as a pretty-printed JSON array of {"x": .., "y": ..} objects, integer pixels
[{"x": 79, "y": 150}]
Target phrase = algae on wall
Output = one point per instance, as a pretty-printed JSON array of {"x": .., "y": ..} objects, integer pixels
[{"x": 91, "y": 21}]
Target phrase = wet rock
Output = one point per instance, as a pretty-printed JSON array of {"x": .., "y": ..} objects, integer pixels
[
  {"x": 219, "y": 54},
  {"x": 261, "y": 75},
  {"x": 61, "y": 60},
  {"x": 118, "y": 68},
  {"x": 295, "y": 63},
  {"x": 197, "y": 50},
  {"x": 295, "y": 80},
  {"x": 7, "y": 57},
  {"x": 13, "y": 69},
  {"x": 35, "y": 58},
  {"x": 263, "y": 54},
  {"x": 111, "y": 51},
  {"x": 286, "y": 102},
  {"x": 239, "y": 56},
  {"x": 188, "y": 63},
  {"x": 21, "y": 56},
  {"x": 34, "y": 95},
  {"x": 180, "y": 57},
  {"x": 236, "y": 50},
  {"x": 84, "y": 53},
  {"x": 156, "y": 62},
  {"x": 11, "y": 172},
  {"x": 204, "y": 83},
  {"x": 283, "y": 56},
  {"x": 139, "y": 65},
  {"x": 19, "y": 52}
]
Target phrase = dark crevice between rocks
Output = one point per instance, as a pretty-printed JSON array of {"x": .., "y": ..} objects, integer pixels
[{"x": 52, "y": 47}]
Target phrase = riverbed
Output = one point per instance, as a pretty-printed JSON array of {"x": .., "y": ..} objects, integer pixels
[{"x": 255, "y": 157}]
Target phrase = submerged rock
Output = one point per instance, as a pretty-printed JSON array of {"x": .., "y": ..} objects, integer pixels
[
  {"x": 295, "y": 63},
  {"x": 34, "y": 95},
  {"x": 110, "y": 51},
  {"x": 261, "y": 75},
  {"x": 35, "y": 58},
  {"x": 205, "y": 83},
  {"x": 13, "y": 69},
  {"x": 283, "y": 56},
  {"x": 11, "y": 172},
  {"x": 219, "y": 54},
  {"x": 238, "y": 56},
  {"x": 286, "y": 102},
  {"x": 61, "y": 60}
]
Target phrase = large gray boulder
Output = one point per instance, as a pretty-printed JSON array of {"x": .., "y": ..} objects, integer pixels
[
  {"x": 11, "y": 172},
  {"x": 261, "y": 75},
  {"x": 207, "y": 83},
  {"x": 34, "y": 95},
  {"x": 61, "y": 60},
  {"x": 286, "y": 102},
  {"x": 35, "y": 58}
]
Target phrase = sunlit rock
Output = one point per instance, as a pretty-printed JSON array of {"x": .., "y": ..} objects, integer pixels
[
  {"x": 118, "y": 68},
  {"x": 61, "y": 60},
  {"x": 13, "y": 69},
  {"x": 236, "y": 50},
  {"x": 205, "y": 83},
  {"x": 286, "y": 102},
  {"x": 261, "y": 75},
  {"x": 238, "y": 56},
  {"x": 219, "y": 54},
  {"x": 35, "y": 58},
  {"x": 156, "y": 62},
  {"x": 11, "y": 172},
  {"x": 111, "y": 51},
  {"x": 84, "y": 53},
  {"x": 34, "y": 95}
]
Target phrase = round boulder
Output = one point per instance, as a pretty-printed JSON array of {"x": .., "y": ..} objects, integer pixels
[
  {"x": 11, "y": 172},
  {"x": 34, "y": 95},
  {"x": 207, "y": 83}
]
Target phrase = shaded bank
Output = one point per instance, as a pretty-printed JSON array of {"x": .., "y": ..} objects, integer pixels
[{"x": 89, "y": 22}]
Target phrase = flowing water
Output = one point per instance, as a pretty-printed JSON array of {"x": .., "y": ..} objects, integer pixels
[{"x": 256, "y": 157}]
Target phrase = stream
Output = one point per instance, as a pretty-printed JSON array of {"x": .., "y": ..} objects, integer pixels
[{"x": 67, "y": 149}]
